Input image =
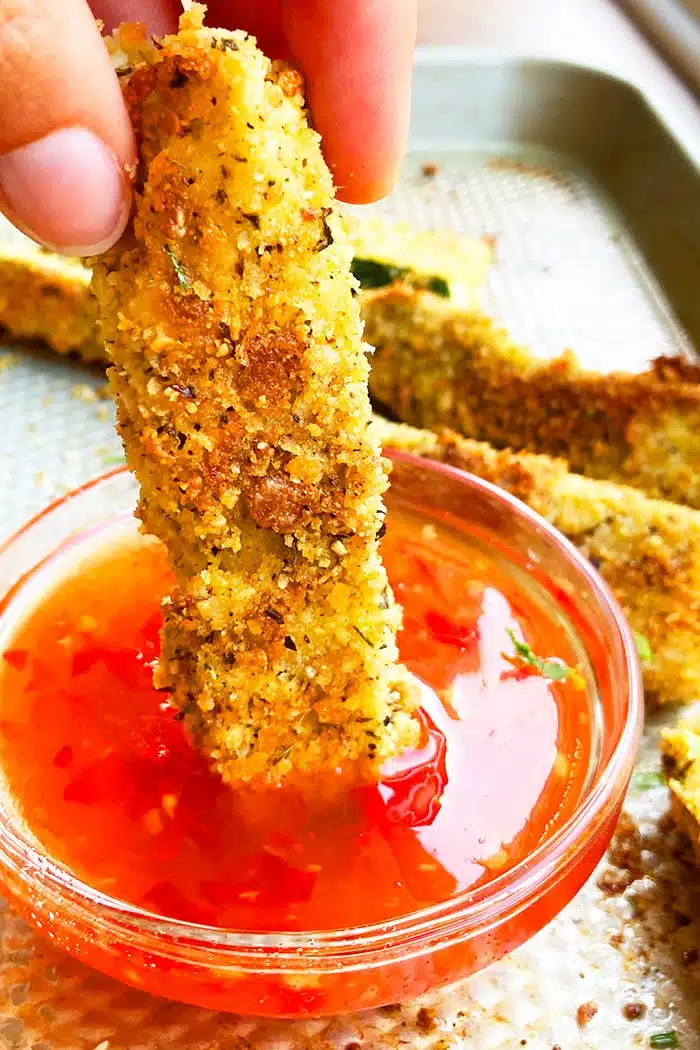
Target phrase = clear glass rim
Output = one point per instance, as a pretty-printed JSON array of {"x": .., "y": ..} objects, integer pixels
[{"x": 457, "y": 919}]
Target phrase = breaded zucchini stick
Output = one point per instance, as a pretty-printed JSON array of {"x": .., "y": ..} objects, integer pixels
[
  {"x": 439, "y": 366},
  {"x": 46, "y": 297},
  {"x": 647, "y": 550},
  {"x": 241, "y": 384},
  {"x": 680, "y": 748}
]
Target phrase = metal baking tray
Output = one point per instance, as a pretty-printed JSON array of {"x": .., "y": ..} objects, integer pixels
[
  {"x": 674, "y": 25},
  {"x": 594, "y": 204},
  {"x": 594, "y": 207}
]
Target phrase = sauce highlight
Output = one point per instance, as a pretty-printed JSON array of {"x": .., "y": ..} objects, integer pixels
[{"x": 102, "y": 770}]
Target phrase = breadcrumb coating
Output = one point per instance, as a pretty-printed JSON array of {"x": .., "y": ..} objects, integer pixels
[
  {"x": 436, "y": 365},
  {"x": 680, "y": 749},
  {"x": 46, "y": 297},
  {"x": 241, "y": 384},
  {"x": 647, "y": 550}
]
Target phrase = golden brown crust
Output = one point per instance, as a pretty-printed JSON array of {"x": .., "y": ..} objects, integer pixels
[
  {"x": 687, "y": 822},
  {"x": 680, "y": 749},
  {"x": 647, "y": 550},
  {"x": 45, "y": 298},
  {"x": 241, "y": 385},
  {"x": 438, "y": 366}
]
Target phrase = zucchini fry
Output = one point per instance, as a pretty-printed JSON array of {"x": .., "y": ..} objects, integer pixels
[
  {"x": 46, "y": 297},
  {"x": 241, "y": 384},
  {"x": 680, "y": 749},
  {"x": 436, "y": 365},
  {"x": 647, "y": 550}
]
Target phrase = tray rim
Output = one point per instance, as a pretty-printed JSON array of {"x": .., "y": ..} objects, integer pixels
[{"x": 685, "y": 137}]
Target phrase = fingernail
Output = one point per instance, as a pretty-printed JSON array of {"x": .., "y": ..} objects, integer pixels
[{"x": 67, "y": 191}]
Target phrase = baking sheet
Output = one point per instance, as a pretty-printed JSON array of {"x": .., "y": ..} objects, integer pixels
[
  {"x": 674, "y": 26},
  {"x": 575, "y": 267}
]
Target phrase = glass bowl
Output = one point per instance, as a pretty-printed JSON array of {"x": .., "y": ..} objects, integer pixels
[{"x": 310, "y": 974}]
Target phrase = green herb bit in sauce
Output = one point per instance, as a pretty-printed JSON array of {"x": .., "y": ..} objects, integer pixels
[
  {"x": 643, "y": 648},
  {"x": 183, "y": 279},
  {"x": 664, "y": 1041},
  {"x": 552, "y": 669},
  {"x": 112, "y": 461},
  {"x": 646, "y": 779},
  {"x": 373, "y": 274}
]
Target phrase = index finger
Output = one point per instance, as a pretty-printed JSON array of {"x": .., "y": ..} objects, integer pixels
[{"x": 357, "y": 58}]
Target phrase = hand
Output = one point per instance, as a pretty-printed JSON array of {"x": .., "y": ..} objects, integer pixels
[{"x": 65, "y": 136}]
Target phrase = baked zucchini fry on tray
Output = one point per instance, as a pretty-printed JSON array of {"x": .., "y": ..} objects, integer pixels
[
  {"x": 240, "y": 377},
  {"x": 47, "y": 296},
  {"x": 680, "y": 749},
  {"x": 647, "y": 550},
  {"x": 436, "y": 365}
]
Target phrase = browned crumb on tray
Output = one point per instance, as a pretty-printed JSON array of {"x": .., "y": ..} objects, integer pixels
[
  {"x": 625, "y": 859},
  {"x": 680, "y": 749},
  {"x": 585, "y": 1013},
  {"x": 647, "y": 550},
  {"x": 437, "y": 365},
  {"x": 634, "y": 1011},
  {"x": 241, "y": 384}
]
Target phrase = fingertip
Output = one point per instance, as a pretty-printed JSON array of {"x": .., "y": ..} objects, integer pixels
[
  {"x": 357, "y": 59},
  {"x": 66, "y": 141},
  {"x": 375, "y": 181},
  {"x": 159, "y": 15},
  {"x": 67, "y": 191}
]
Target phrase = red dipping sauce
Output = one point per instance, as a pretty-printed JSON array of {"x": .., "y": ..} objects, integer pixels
[
  {"x": 105, "y": 777},
  {"x": 114, "y": 832}
]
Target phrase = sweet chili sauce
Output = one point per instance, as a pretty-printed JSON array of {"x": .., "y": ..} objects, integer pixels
[{"x": 102, "y": 771}]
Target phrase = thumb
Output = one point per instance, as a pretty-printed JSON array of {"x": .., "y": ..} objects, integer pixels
[{"x": 66, "y": 142}]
